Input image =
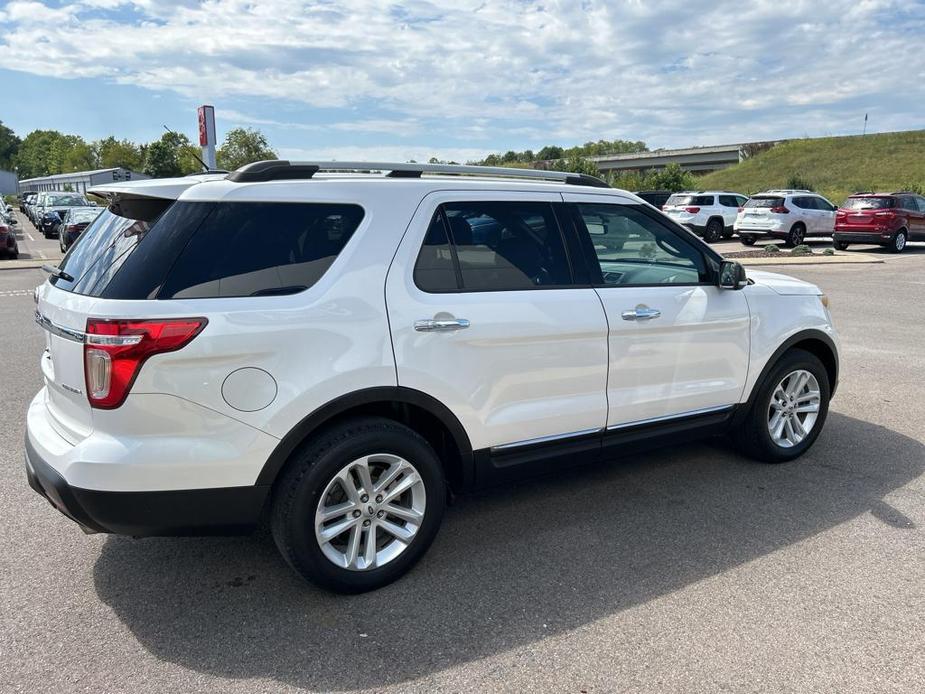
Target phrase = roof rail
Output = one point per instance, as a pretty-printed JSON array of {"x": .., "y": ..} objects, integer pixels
[
  {"x": 281, "y": 170},
  {"x": 208, "y": 171}
]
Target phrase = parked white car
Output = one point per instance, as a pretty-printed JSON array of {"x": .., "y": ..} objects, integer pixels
[
  {"x": 791, "y": 215},
  {"x": 339, "y": 351},
  {"x": 710, "y": 214}
]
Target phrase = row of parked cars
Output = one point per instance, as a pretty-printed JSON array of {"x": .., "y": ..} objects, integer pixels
[
  {"x": 8, "y": 246},
  {"x": 887, "y": 219},
  {"x": 59, "y": 214}
]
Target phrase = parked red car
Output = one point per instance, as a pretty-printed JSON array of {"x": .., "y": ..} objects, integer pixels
[{"x": 887, "y": 219}]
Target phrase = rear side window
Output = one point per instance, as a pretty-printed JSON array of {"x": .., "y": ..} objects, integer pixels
[
  {"x": 507, "y": 245},
  {"x": 492, "y": 246},
  {"x": 259, "y": 249}
]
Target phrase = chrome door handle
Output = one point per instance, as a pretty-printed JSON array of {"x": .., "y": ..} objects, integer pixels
[
  {"x": 440, "y": 326},
  {"x": 641, "y": 313}
]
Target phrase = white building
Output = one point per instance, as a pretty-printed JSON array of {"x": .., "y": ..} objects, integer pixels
[
  {"x": 79, "y": 181},
  {"x": 8, "y": 183}
]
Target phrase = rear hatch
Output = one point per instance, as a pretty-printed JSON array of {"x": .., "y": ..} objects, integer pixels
[
  {"x": 685, "y": 206},
  {"x": 68, "y": 298},
  {"x": 758, "y": 211},
  {"x": 864, "y": 213}
]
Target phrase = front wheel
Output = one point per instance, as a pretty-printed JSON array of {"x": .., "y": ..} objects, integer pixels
[
  {"x": 787, "y": 411},
  {"x": 358, "y": 507},
  {"x": 747, "y": 240},
  {"x": 840, "y": 245}
]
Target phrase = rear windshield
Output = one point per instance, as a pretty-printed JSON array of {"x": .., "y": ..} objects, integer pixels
[
  {"x": 210, "y": 250},
  {"x": 869, "y": 203},
  {"x": 690, "y": 200},
  {"x": 764, "y": 202},
  {"x": 65, "y": 201},
  {"x": 87, "y": 215}
]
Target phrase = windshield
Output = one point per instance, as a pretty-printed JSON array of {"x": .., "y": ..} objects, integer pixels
[
  {"x": 869, "y": 203},
  {"x": 66, "y": 201},
  {"x": 765, "y": 202}
]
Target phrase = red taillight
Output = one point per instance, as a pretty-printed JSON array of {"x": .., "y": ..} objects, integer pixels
[
  {"x": 692, "y": 210},
  {"x": 741, "y": 209},
  {"x": 71, "y": 227},
  {"x": 780, "y": 209},
  {"x": 115, "y": 350}
]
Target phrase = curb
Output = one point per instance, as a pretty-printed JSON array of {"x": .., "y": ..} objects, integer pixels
[
  {"x": 852, "y": 259},
  {"x": 23, "y": 264}
]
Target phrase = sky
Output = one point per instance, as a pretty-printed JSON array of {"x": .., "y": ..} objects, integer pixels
[{"x": 380, "y": 80}]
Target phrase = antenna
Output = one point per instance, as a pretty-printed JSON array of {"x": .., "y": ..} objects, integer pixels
[{"x": 195, "y": 156}]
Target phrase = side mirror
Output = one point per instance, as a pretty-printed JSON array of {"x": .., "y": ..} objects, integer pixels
[{"x": 731, "y": 275}]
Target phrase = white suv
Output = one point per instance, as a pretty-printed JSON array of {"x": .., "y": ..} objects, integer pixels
[
  {"x": 709, "y": 214},
  {"x": 791, "y": 215},
  {"x": 338, "y": 351}
]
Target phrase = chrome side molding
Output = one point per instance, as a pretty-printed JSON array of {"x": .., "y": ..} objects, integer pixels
[{"x": 59, "y": 330}]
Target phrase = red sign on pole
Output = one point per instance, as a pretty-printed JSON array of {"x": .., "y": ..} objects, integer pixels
[{"x": 203, "y": 127}]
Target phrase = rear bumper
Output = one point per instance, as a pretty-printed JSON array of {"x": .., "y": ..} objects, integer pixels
[
  {"x": 177, "y": 512},
  {"x": 776, "y": 233},
  {"x": 875, "y": 237}
]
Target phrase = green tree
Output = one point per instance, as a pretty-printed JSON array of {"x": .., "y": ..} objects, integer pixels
[
  {"x": 71, "y": 153},
  {"x": 9, "y": 146},
  {"x": 577, "y": 164},
  {"x": 672, "y": 178},
  {"x": 161, "y": 160},
  {"x": 112, "y": 153},
  {"x": 35, "y": 156},
  {"x": 549, "y": 152},
  {"x": 243, "y": 146}
]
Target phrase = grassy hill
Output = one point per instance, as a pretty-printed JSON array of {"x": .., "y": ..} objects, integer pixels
[{"x": 834, "y": 166}]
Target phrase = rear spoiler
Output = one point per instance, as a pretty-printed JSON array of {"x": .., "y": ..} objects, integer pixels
[{"x": 145, "y": 200}]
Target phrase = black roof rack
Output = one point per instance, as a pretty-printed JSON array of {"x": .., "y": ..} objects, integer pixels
[{"x": 282, "y": 170}]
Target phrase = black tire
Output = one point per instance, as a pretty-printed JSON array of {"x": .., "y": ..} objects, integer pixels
[
  {"x": 840, "y": 245},
  {"x": 796, "y": 236},
  {"x": 297, "y": 492},
  {"x": 752, "y": 437},
  {"x": 747, "y": 240},
  {"x": 713, "y": 232},
  {"x": 898, "y": 242},
  {"x": 728, "y": 234}
]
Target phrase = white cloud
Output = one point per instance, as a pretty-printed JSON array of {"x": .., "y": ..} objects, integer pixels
[{"x": 523, "y": 72}]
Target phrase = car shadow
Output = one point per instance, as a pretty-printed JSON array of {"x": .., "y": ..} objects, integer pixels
[{"x": 510, "y": 566}]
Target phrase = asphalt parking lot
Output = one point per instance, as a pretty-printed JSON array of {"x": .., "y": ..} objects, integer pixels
[{"x": 687, "y": 569}]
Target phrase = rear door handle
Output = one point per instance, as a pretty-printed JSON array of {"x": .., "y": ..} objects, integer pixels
[
  {"x": 641, "y": 313},
  {"x": 440, "y": 326}
]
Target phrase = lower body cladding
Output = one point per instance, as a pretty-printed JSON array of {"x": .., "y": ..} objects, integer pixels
[
  {"x": 882, "y": 238},
  {"x": 238, "y": 509}
]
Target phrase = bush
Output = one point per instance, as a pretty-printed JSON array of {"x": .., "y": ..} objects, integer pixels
[
  {"x": 773, "y": 248},
  {"x": 828, "y": 251},
  {"x": 798, "y": 182},
  {"x": 802, "y": 249}
]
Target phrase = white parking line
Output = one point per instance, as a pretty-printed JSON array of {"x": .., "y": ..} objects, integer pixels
[{"x": 29, "y": 236}]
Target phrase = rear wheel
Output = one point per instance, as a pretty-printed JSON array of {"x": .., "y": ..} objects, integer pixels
[
  {"x": 713, "y": 231},
  {"x": 747, "y": 240},
  {"x": 358, "y": 507},
  {"x": 796, "y": 235},
  {"x": 898, "y": 244},
  {"x": 840, "y": 245},
  {"x": 788, "y": 410}
]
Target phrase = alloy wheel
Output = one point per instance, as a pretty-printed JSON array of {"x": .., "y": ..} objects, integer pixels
[
  {"x": 370, "y": 512},
  {"x": 794, "y": 408}
]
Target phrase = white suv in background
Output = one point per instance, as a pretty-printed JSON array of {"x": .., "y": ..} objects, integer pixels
[
  {"x": 337, "y": 352},
  {"x": 709, "y": 214},
  {"x": 791, "y": 215}
]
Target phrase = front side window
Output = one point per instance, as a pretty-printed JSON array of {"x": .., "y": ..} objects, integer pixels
[{"x": 635, "y": 249}]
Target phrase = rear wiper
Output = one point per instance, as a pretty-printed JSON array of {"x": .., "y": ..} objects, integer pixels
[{"x": 55, "y": 271}]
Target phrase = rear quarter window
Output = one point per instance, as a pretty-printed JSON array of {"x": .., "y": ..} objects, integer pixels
[{"x": 259, "y": 249}]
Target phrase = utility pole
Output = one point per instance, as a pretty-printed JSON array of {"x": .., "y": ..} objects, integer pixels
[{"x": 865, "y": 125}]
